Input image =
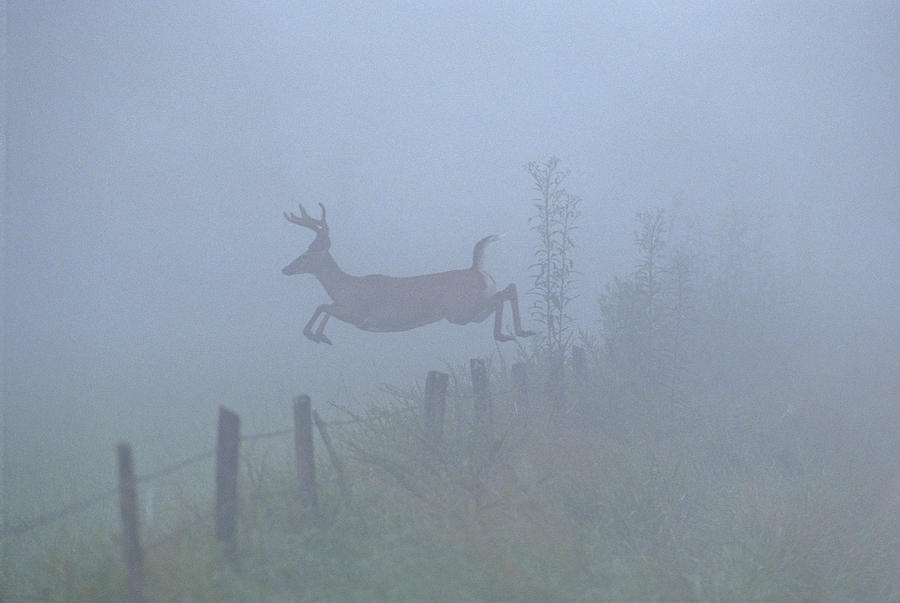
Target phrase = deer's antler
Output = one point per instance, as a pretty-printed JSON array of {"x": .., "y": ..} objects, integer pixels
[{"x": 304, "y": 219}]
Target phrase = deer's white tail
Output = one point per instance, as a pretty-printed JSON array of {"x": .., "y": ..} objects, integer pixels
[{"x": 478, "y": 252}]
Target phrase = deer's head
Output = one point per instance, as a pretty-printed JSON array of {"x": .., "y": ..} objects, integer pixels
[{"x": 317, "y": 249}]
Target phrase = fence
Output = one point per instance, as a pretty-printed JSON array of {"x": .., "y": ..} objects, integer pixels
[{"x": 226, "y": 453}]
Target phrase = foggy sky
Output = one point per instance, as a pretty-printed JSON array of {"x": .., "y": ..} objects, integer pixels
[{"x": 153, "y": 146}]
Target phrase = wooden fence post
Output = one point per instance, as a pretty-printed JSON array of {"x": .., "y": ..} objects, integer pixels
[
  {"x": 434, "y": 405},
  {"x": 303, "y": 450},
  {"x": 556, "y": 385},
  {"x": 520, "y": 385},
  {"x": 335, "y": 460},
  {"x": 227, "y": 446},
  {"x": 483, "y": 418},
  {"x": 128, "y": 506},
  {"x": 580, "y": 363}
]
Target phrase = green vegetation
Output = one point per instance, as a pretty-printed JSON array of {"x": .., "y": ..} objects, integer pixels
[
  {"x": 554, "y": 222},
  {"x": 718, "y": 500}
]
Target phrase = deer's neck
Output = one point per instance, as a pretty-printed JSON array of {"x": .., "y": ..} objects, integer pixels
[{"x": 333, "y": 279}]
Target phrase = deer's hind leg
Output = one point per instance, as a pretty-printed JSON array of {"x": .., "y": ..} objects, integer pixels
[
  {"x": 509, "y": 294},
  {"x": 517, "y": 321}
]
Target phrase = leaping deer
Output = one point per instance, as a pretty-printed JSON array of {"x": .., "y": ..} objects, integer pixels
[{"x": 385, "y": 303}]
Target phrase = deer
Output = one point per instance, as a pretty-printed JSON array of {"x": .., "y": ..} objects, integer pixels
[{"x": 380, "y": 303}]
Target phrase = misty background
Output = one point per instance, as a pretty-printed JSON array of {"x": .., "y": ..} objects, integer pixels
[{"x": 152, "y": 148}]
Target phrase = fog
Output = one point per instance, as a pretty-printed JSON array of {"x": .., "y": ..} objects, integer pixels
[{"x": 152, "y": 148}]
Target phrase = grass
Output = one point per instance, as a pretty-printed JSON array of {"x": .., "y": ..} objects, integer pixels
[{"x": 714, "y": 500}]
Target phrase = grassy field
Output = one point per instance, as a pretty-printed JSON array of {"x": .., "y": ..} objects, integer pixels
[{"x": 711, "y": 498}]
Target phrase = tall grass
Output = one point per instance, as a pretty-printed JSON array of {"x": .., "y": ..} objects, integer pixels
[{"x": 719, "y": 499}]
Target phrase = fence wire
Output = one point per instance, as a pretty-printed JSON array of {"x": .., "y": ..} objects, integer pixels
[
  {"x": 83, "y": 505},
  {"x": 45, "y": 519},
  {"x": 48, "y": 518}
]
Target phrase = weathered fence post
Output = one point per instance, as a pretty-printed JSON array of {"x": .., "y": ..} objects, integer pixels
[
  {"x": 556, "y": 384},
  {"x": 335, "y": 461},
  {"x": 433, "y": 411},
  {"x": 227, "y": 446},
  {"x": 303, "y": 450},
  {"x": 483, "y": 418},
  {"x": 520, "y": 386},
  {"x": 580, "y": 363},
  {"x": 130, "y": 528}
]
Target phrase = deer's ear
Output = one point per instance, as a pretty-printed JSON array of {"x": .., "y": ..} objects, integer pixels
[{"x": 321, "y": 242}]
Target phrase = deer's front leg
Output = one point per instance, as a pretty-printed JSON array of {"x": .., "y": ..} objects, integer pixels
[
  {"x": 320, "y": 332},
  {"x": 319, "y": 335}
]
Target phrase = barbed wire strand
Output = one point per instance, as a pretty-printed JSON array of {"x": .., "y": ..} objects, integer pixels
[
  {"x": 268, "y": 434},
  {"x": 175, "y": 467},
  {"x": 47, "y": 518},
  {"x": 82, "y": 505}
]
